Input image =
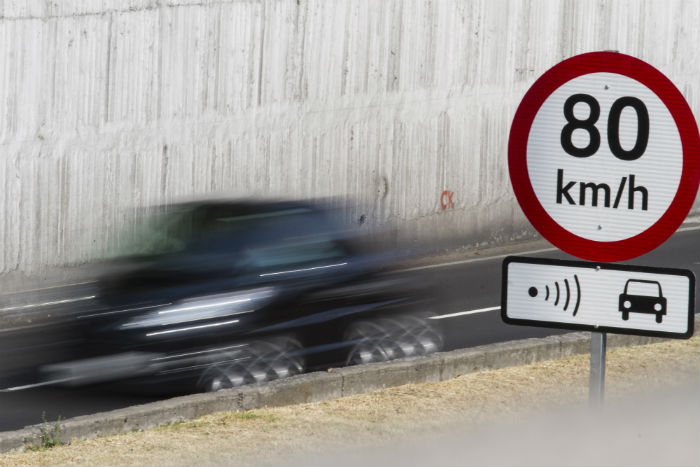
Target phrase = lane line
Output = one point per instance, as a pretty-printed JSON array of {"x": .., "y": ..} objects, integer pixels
[
  {"x": 686, "y": 229},
  {"x": 467, "y": 312},
  {"x": 55, "y": 302},
  {"x": 487, "y": 258},
  {"x": 51, "y": 287},
  {"x": 477, "y": 260},
  {"x": 36, "y": 385}
]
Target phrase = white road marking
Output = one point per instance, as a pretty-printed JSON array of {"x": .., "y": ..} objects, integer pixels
[
  {"x": 689, "y": 228},
  {"x": 487, "y": 258},
  {"x": 467, "y": 312},
  {"x": 477, "y": 260},
  {"x": 51, "y": 287},
  {"x": 37, "y": 385},
  {"x": 55, "y": 302}
]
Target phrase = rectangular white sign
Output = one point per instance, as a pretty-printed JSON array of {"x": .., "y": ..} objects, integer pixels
[{"x": 599, "y": 297}]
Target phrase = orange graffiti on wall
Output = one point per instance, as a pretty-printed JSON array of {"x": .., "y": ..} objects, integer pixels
[{"x": 446, "y": 200}]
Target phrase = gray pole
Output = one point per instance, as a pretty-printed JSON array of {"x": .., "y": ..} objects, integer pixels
[{"x": 597, "y": 376}]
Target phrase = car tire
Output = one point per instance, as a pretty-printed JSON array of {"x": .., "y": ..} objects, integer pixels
[
  {"x": 253, "y": 362},
  {"x": 659, "y": 318},
  {"x": 390, "y": 338},
  {"x": 625, "y": 315}
]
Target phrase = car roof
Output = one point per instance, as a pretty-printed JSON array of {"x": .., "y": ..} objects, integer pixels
[
  {"x": 241, "y": 207},
  {"x": 245, "y": 205}
]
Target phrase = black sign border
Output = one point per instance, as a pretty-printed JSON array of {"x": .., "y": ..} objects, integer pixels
[{"x": 595, "y": 265}]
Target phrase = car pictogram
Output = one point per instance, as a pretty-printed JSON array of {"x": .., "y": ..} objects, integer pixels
[{"x": 642, "y": 296}]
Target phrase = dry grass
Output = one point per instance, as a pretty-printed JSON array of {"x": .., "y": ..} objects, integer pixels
[{"x": 271, "y": 435}]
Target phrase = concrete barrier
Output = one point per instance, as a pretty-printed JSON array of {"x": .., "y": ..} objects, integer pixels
[
  {"x": 402, "y": 106},
  {"x": 318, "y": 386}
]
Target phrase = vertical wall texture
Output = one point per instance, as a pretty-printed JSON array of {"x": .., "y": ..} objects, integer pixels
[{"x": 107, "y": 106}]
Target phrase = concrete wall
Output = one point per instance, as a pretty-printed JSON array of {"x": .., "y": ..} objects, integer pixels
[{"x": 109, "y": 105}]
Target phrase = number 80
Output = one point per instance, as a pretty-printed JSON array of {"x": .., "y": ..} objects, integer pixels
[{"x": 588, "y": 125}]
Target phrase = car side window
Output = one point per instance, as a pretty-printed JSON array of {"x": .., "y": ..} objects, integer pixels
[
  {"x": 292, "y": 254},
  {"x": 289, "y": 240}
]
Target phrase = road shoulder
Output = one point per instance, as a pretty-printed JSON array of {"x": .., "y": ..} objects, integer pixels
[{"x": 298, "y": 434}]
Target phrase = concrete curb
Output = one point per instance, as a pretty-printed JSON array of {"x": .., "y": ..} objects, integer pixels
[{"x": 318, "y": 386}]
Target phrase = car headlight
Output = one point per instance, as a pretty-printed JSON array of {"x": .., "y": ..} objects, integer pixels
[
  {"x": 627, "y": 304},
  {"x": 658, "y": 307},
  {"x": 203, "y": 308}
]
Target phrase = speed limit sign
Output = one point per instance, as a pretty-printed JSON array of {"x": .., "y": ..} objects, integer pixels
[{"x": 604, "y": 156}]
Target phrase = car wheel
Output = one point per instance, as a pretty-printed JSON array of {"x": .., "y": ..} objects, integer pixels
[
  {"x": 659, "y": 318},
  {"x": 253, "y": 362},
  {"x": 390, "y": 338},
  {"x": 625, "y": 315}
]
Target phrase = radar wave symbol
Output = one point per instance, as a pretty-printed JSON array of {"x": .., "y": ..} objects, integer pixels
[{"x": 561, "y": 293}]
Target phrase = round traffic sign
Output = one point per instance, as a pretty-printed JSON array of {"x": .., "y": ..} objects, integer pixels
[{"x": 604, "y": 156}]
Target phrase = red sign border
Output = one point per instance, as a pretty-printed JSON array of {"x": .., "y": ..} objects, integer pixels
[{"x": 657, "y": 82}]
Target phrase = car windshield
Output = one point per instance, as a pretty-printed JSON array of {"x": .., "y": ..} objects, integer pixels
[
  {"x": 156, "y": 232},
  {"x": 647, "y": 289},
  {"x": 268, "y": 238}
]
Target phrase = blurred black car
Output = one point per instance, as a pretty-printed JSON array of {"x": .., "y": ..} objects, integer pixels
[{"x": 217, "y": 294}]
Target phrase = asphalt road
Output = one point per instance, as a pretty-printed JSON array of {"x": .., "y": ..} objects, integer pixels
[
  {"x": 470, "y": 294},
  {"x": 471, "y": 290}
]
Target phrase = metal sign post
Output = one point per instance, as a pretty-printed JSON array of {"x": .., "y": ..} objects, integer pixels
[
  {"x": 596, "y": 387},
  {"x": 604, "y": 159}
]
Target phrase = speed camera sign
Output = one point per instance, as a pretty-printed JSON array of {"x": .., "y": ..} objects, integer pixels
[{"x": 604, "y": 156}]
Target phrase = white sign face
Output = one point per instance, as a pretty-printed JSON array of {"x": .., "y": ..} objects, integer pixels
[
  {"x": 596, "y": 194},
  {"x": 604, "y": 156},
  {"x": 579, "y": 295}
]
